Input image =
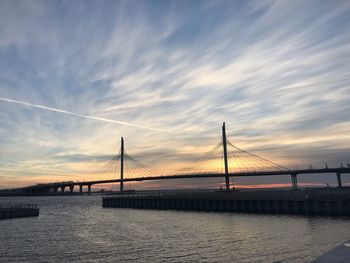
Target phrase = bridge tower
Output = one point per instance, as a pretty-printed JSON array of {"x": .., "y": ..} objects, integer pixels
[
  {"x": 224, "y": 143},
  {"x": 122, "y": 165}
]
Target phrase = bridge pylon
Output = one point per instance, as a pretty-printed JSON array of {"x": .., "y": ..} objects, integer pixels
[
  {"x": 224, "y": 144},
  {"x": 122, "y": 165}
]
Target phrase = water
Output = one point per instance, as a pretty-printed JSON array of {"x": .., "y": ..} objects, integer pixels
[{"x": 78, "y": 229}]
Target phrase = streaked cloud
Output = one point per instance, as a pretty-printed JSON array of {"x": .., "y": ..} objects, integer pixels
[
  {"x": 276, "y": 71},
  {"x": 77, "y": 114}
]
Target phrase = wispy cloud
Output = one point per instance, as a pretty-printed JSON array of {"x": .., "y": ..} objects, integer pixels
[
  {"x": 276, "y": 71},
  {"x": 78, "y": 115}
]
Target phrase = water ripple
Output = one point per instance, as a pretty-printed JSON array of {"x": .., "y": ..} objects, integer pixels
[{"x": 78, "y": 229}]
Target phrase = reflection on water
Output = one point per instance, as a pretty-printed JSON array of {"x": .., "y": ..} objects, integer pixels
[{"x": 78, "y": 229}]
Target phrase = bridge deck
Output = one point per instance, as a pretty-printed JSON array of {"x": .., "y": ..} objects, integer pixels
[{"x": 188, "y": 176}]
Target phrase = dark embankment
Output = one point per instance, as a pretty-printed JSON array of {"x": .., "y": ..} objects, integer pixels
[{"x": 319, "y": 201}]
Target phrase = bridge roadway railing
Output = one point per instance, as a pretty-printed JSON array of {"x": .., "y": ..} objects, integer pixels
[{"x": 338, "y": 171}]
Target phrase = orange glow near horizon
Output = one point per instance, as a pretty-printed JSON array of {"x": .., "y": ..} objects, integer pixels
[{"x": 93, "y": 171}]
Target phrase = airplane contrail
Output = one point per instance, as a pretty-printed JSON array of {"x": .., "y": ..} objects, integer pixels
[{"x": 78, "y": 114}]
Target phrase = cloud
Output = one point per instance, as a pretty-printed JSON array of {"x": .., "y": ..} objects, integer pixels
[
  {"x": 275, "y": 71},
  {"x": 77, "y": 114}
]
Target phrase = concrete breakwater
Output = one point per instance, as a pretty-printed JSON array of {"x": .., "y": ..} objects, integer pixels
[
  {"x": 18, "y": 211},
  {"x": 339, "y": 254},
  {"x": 321, "y": 201}
]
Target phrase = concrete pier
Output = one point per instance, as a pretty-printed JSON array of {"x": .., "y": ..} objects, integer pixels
[
  {"x": 294, "y": 181},
  {"x": 339, "y": 179},
  {"x": 329, "y": 202},
  {"x": 340, "y": 254},
  {"x": 17, "y": 212}
]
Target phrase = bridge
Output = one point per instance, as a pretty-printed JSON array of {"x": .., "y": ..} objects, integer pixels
[{"x": 224, "y": 160}]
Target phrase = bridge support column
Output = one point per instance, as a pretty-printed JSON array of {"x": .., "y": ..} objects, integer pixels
[
  {"x": 71, "y": 188},
  {"x": 224, "y": 143},
  {"x": 122, "y": 165},
  {"x": 80, "y": 188},
  {"x": 339, "y": 179},
  {"x": 55, "y": 189},
  {"x": 89, "y": 189},
  {"x": 294, "y": 181},
  {"x": 62, "y": 188}
]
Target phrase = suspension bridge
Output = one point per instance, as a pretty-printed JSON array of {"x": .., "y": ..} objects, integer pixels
[{"x": 224, "y": 160}]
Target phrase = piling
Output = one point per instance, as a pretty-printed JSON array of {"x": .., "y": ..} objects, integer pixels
[
  {"x": 328, "y": 202},
  {"x": 18, "y": 211}
]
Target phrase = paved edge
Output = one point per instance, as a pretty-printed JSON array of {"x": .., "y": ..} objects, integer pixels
[{"x": 339, "y": 254}]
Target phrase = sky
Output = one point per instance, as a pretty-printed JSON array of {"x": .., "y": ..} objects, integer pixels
[{"x": 75, "y": 76}]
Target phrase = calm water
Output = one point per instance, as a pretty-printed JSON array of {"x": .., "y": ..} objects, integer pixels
[{"x": 78, "y": 229}]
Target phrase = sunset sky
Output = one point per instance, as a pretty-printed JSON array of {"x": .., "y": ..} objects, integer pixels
[{"x": 75, "y": 76}]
